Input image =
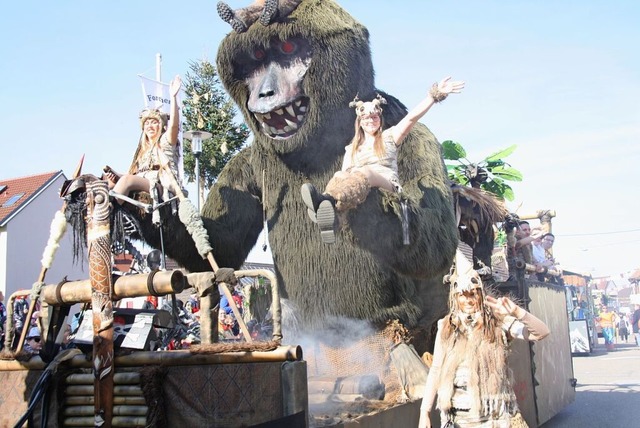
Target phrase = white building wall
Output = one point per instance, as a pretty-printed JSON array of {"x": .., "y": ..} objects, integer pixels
[
  {"x": 3, "y": 262},
  {"x": 26, "y": 236}
]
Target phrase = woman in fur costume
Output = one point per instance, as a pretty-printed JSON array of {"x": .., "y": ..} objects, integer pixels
[
  {"x": 370, "y": 160},
  {"x": 469, "y": 373},
  {"x": 158, "y": 146}
]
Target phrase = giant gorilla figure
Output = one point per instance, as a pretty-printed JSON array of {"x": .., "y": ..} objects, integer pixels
[{"x": 293, "y": 81}]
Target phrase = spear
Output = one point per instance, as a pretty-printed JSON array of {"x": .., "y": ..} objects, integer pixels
[{"x": 57, "y": 230}]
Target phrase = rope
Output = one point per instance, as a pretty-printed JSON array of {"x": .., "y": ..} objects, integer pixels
[
  {"x": 264, "y": 212},
  {"x": 59, "y": 291},
  {"x": 150, "y": 288},
  {"x": 36, "y": 288}
]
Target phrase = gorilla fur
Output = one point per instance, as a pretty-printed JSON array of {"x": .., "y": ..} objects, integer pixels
[{"x": 368, "y": 274}]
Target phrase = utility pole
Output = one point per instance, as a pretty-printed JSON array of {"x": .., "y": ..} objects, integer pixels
[{"x": 159, "y": 67}]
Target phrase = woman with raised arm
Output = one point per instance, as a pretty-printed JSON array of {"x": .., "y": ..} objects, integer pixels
[
  {"x": 157, "y": 151},
  {"x": 370, "y": 160}
]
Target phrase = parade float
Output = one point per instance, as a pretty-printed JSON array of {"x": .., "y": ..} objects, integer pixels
[{"x": 351, "y": 321}]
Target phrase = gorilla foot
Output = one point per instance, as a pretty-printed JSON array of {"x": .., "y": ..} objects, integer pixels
[{"x": 326, "y": 216}]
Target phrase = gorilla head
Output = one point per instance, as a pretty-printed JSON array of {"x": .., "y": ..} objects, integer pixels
[{"x": 294, "y": 78}]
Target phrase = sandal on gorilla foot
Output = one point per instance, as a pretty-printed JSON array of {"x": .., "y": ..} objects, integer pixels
[{"x": 326, "y": 216}]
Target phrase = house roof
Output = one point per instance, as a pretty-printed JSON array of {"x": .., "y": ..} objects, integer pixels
[
  {"x": 16, "y": 193},
  {"x": 576, "y": 280}
]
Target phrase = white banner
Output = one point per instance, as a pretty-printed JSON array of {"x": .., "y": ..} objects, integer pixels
[{"x": 155, "y": 94}]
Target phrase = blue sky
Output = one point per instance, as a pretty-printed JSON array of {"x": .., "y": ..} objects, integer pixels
[{"x": 559, "y": 79}]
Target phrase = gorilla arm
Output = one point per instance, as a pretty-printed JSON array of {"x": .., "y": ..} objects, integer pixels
[
  {"x": 376, "y": 225},
  {"x": 232, "y": 213}
]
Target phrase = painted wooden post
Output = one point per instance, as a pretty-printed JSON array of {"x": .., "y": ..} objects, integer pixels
[{"x": 99, "y": 243}]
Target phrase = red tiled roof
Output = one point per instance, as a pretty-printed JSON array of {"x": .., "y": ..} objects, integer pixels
[{"x": 28, "y": 186}]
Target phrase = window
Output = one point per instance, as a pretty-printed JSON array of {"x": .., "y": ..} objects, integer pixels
[{"x": 12, "y": 200}]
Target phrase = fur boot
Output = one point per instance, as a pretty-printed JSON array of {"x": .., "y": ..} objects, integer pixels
[{"x": 349, "y": 191}]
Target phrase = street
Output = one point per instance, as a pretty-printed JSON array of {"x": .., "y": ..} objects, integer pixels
[{"x": 606, "y": 392}]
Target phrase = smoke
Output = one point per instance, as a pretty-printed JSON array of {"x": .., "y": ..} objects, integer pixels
[{"x": 339, "y": 347}]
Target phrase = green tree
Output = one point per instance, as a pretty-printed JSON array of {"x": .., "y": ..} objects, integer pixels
[
  {"x": 490, "y": 174},
  {"x": 208, "y": 108}
]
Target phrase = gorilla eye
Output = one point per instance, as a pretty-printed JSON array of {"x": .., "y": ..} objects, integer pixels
[
  {"x": 287, "y": 47},
  {"x": 259, "y": 54}
]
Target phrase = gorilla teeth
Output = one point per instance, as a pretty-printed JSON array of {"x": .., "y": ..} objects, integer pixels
[
  {"x": 284, "y": 121},
  {"x": 291, "y": 124}
]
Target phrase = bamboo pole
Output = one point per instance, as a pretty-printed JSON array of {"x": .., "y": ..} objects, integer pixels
[
  {"x": 118, "y": 421},
  {"x": 538, "y": 215},
  {"x": 124, "y": 410},
  {"x": 529, "y": 268},
  {"x": 122, "y": 378},
  {"x": 99, "y": 244},
  {"x": 164, "y": 282},
  {"x": 79, "y": 400},
  {"x": 170, "y": 358},
  {"x": 122, "y": 390}
]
